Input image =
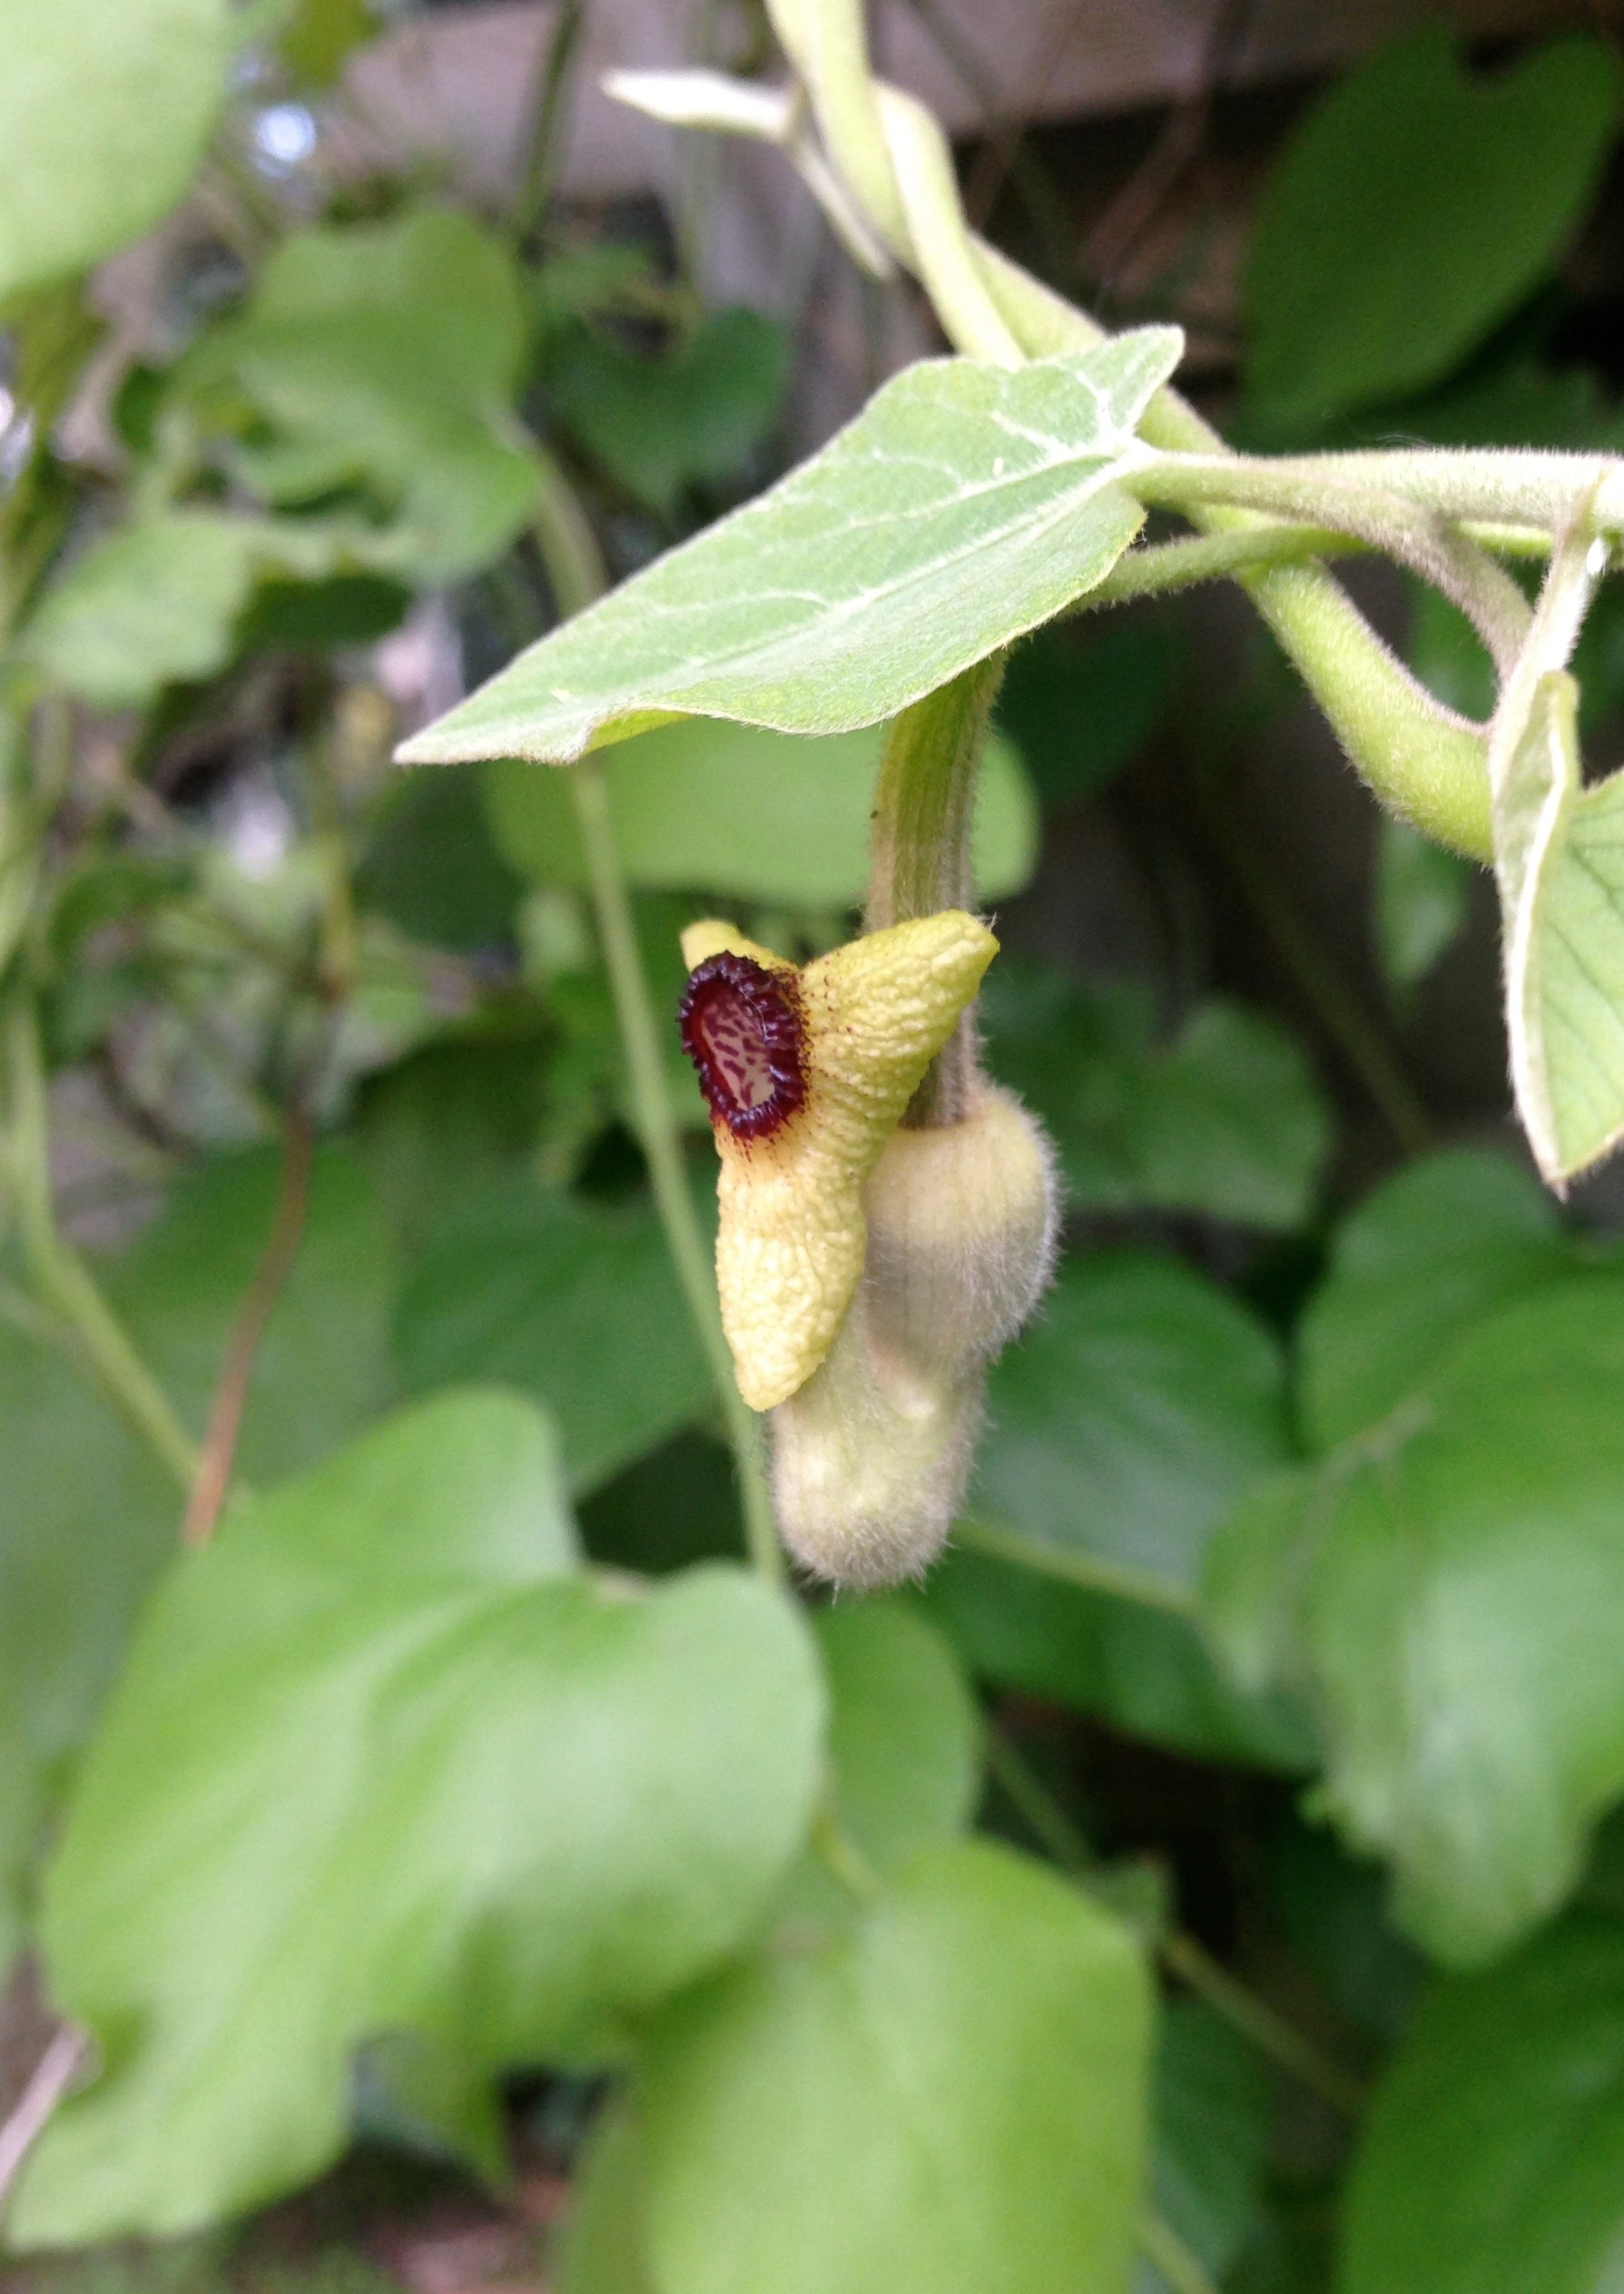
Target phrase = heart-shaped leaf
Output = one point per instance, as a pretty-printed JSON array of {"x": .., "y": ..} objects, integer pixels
[
  {"x": 1448, "y": 1590},
  {"x": 1416, "y": 208},
  {"x": 964, "y": 505},
  {"x": 946, "y": 2097},
  {"x": 469, "y": 1797}
]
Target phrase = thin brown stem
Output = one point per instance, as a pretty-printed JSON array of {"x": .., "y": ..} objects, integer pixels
[
  {"x": 216, "y": 1461},
  {"x": 48, "y": 2081}
]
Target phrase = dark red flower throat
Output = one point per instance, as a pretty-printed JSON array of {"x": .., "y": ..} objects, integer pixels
[{"x": 741, "y": 1029}]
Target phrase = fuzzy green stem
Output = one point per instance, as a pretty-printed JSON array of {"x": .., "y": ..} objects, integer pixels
[
  {"x": 660, "y": 1141},
  {"x": 920, "y": 859},
  {"x": 1425, "y": 763},
  {"x": 60, "y": 1276},
  {"x": 1160, "y": 569},
  {"x": 1417, "y": 537}
]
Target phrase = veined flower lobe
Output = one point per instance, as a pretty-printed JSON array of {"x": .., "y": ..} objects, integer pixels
[{"x": 808, "y": 1073}]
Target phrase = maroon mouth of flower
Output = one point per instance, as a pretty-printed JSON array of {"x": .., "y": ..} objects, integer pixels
[{"x": 741, "y": 1027}]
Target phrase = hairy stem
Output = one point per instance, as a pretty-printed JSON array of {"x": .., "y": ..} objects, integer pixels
[
  {"x": 920, "y": 845},
  {"x": 1415, "y": 535},
  {"x": 1428, "y": 765}
]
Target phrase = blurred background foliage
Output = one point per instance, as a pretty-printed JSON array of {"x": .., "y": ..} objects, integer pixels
[{"x": 1196, "y": 1643}]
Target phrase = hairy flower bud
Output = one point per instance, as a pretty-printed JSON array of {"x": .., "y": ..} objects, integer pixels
[{"x": 871, "y": 1455}]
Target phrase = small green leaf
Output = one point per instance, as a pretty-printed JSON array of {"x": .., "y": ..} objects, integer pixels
[
  {"x": 964, "y": 505},
  {"x": 1419, "y": 1262},
  {"x": 160, "y": 601},
  {"x": 1224, "y": 1121},
  {"x": 1415, "y": 207},
  {"x": 1493, "y": 2156},
  {"x": 1423, "y": 894},
  {"x": 947, "y": 2098},
  {"x": 703, "y": 806},
  {"x": 105, "y": 109},
  {"x": 467, "y": 1794},
  {"x": 1130, "y": 1417},
  {"x": 575, "y": 1305},
  {"x": 693, "y": 413},
  {"x": 1451, "y": 1591},
  {"x": 385, "y": 357}
]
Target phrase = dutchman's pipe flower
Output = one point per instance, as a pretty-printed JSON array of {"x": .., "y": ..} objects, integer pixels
[
  {"x": 868, "y": 1274},
  {"x": 808, "y": 1072}
]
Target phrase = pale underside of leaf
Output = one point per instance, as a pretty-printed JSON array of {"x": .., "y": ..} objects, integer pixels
[{"x": 963, "y": 507}]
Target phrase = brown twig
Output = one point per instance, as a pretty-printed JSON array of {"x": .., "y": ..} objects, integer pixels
[
  {"x": 230, "y": 1393},
  {"x": 48, "y": 2081}
]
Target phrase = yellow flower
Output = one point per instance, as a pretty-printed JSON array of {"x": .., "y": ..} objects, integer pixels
[{"x": 808, "y": 1073}]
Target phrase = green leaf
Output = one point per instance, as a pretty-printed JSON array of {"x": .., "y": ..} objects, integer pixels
[
  {"x": 319, "y": 36},
  {"x": 105, "y": 110},
  {"x": 731, "y": 808},
  {"x": 1419, "y": 1263},
  {"x": 1211, "y": 2118},
  {"x": 695, "y": 413},
  {"x": 1559, "y": 850},
  {"x": 1130, "y": 1417},
  {"x": 1141, "y": 1669},
  {"x": 1415, "y": 207},
  {"x": 1422, "y": 895},
  {"x": 904, "y": 1731},
  {"x": 467, "y": 1795},
  {"x": 948, "y": 2098},
  {"x": 87, "y": 1519},
  {"x": 385, "y": 356},
  {"x": 964, "y": 505},
  {"x": 578, "y": 1305},
  {"x": 1225, "y": 1120},
  {"x": 1451, "y": 1591},
  {"x": 160, "y": 601},
  {"x": 1493, "y": 2156}
]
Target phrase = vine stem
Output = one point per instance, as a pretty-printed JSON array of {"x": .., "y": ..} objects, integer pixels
[
  {"x": 230, "y": 1393},
  {"x": 60, "y": 1275},
  {"x": 660, "y": 1141},
  {"x": 1166, "y": 2252},
  {"x": 578, "y": 574},
  {"x": 48, "y": 2081}
]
